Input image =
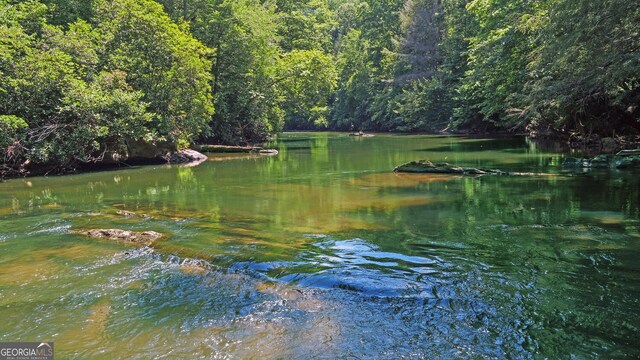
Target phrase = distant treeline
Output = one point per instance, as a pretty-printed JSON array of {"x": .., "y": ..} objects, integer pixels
[{"x": 82, "y": 79}]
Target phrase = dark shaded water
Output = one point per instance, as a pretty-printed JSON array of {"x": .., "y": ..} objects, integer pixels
[{"x": 323, "y": 252}]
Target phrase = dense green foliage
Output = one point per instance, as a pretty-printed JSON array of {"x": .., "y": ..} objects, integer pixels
[
  {"x": 80, "y": 81},
  {"x": 269, "y": 64},
  {"x": 80, "y": 91},
  {"x": 550, "y": 66}
]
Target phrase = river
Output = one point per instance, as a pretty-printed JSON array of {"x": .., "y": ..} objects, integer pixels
[{"x": 323, "y": 252}]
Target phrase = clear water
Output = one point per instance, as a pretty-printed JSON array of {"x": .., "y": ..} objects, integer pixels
[{"x": 323, "y": 252}]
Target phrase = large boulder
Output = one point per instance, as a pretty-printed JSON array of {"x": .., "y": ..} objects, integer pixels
[{"x": 186, "y": 156}]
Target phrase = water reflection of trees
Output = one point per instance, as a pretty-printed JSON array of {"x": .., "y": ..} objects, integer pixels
[
  {"x": 566, "y": 245},
  {"x": 563, "y": 244}
]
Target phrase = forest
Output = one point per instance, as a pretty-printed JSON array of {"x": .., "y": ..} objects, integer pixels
[{"x": 83, "y": 80}]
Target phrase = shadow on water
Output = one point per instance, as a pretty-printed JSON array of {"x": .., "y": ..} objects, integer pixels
[
  {"x": 294, "y": 140},
  {"x": 517, "y": 144}
]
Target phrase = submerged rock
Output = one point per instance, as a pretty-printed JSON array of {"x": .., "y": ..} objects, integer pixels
[
  {"x": 195, "y": 267},
  {"x": 571, "y": 162},
  {"x": 130, "y": 214},
  {"x": 628, "y": 162},
  {"x": 625, "y": 159},
  {"x": 424, "y": 166},
  {"x": 144, "y": 238},
  {"x": 126, "y": 213}
]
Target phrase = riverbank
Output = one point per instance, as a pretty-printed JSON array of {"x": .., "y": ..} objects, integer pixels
[
  {"x": 581, "y": 146},
  {"x": 181, "y": 157}
]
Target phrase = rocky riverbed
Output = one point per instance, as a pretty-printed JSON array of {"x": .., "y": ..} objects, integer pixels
[{"x": 625, "y": 159}]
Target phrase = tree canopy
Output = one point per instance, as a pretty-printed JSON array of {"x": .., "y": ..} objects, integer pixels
[{"x": 82, "y": 80}]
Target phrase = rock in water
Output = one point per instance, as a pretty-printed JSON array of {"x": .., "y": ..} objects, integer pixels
[
  {"x": 144, "y": 238},
  {"x": 424, "y": 166},
  {"x": 576, "y": 162},
  {"x": 628, "y": 162},
  {"x": 126, "y": 213},
  {"x": 186, "y": 156},
  {"x": 625, "y": 159},
  {"x": 361, "y": 134},
  {"x": 600, "y": 162},
  {"x": 268, "y": 152}
]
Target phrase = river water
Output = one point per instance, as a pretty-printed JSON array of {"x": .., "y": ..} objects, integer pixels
[{"x": 324, "y": 252}]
